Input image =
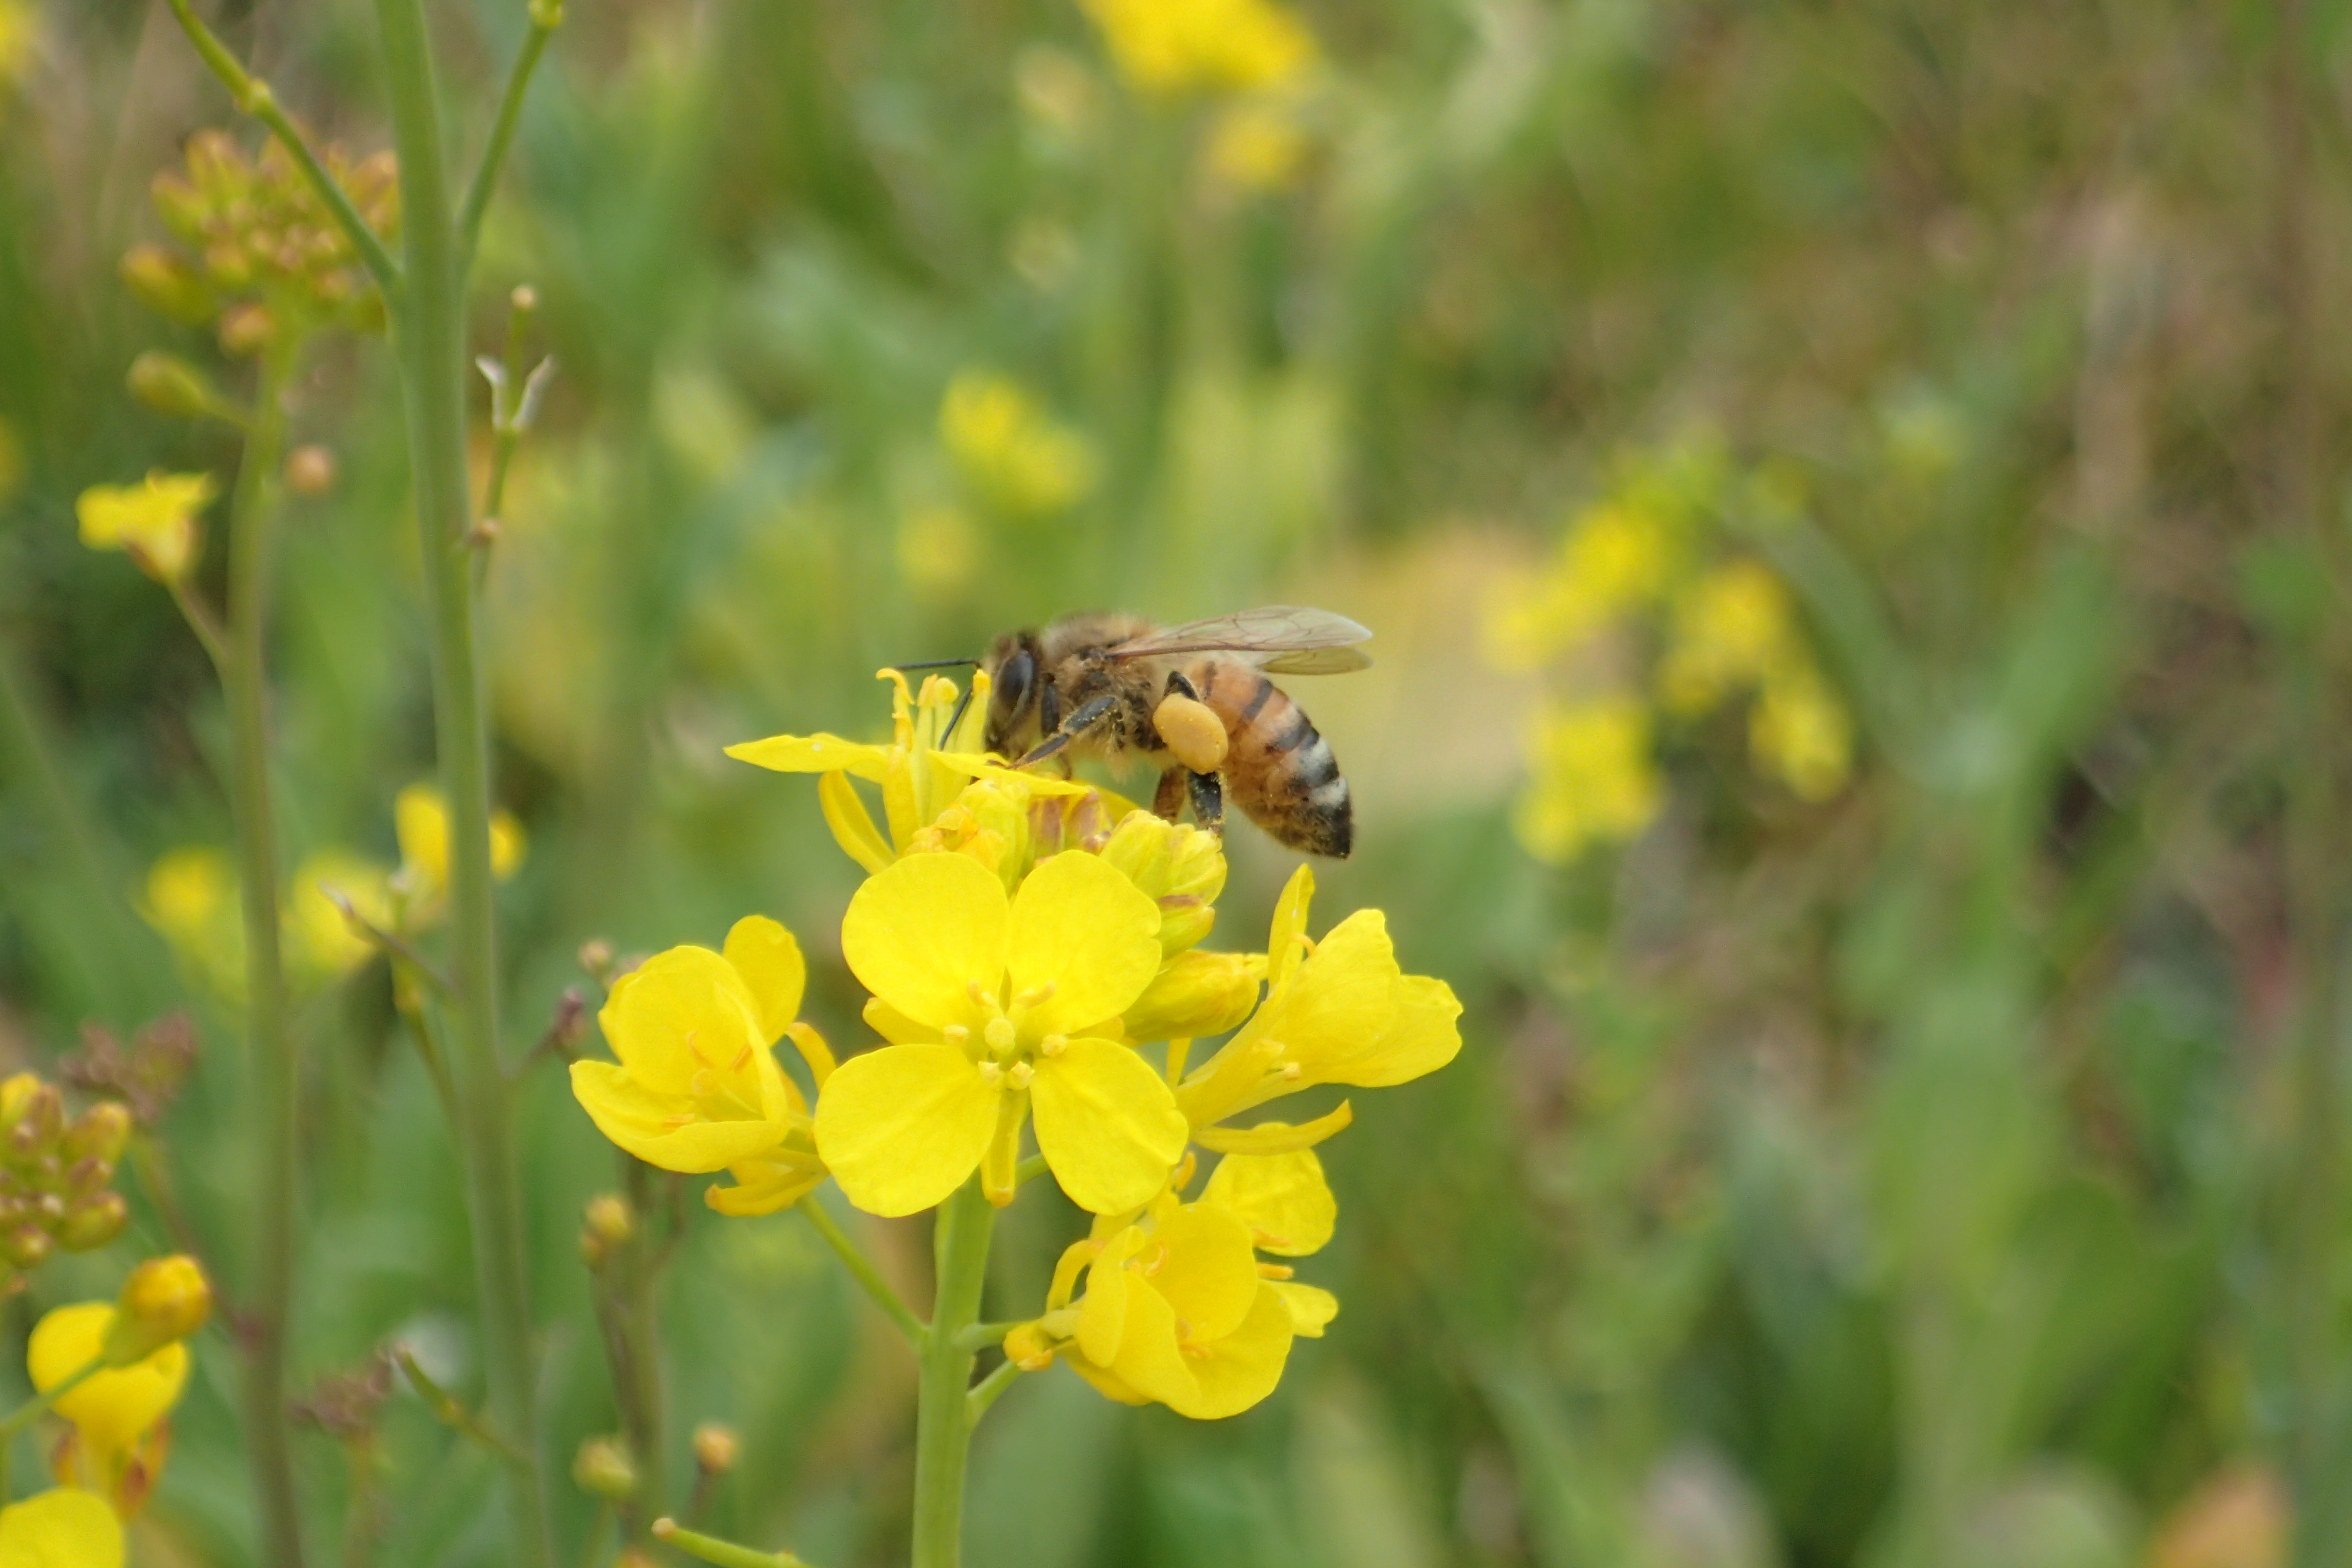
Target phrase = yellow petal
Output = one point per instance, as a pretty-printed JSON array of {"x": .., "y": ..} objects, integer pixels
[
  {"x": 665, "y": 1130},
  {"x": 1107, "y": 1124},
  {"x": 420, "y": 821},
  {"x": 903, "y": 1127},
  {"x": 1275, "y": 1137},
  {"x": 1106, "y": 1383},
  {"x": 766, "y": 1186},
  {"x": 112, "y": 1408},
  {"x": 812, "y": 754},
  {"x": 1151, "y": 1358},
  {"x": 1339, "y": 997},
  {"x": 1081, "y": 927},
  {"x": 62, "y": 1528},
  {"x": 764, "y": 953},
  {"x": 852, "y": 823},
  {"x": 814, "y": 1051},
  {"x": 1310, "y": 1306},
  {"x": 1283, "y": 947},
  {"x": 1194, "y": 996},
  {"x": 920, "y": 931},
  {"x": 896, "y": 1027},
  {"x": 1102, "y": 1311},
  {"x": 1208, "y": 1272},
  {"x": 678, "y": 1014},
  {"x": 1425, "y": 1035},
  {"x": 1282, "y": 1198},
  {"x": 1243, "y": 1367}
]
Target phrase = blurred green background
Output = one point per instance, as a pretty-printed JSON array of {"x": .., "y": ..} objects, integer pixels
[{"x": 1899, "y": 1119}]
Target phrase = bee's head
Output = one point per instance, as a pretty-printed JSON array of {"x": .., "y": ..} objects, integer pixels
[{"x": 1015, "y": 671}]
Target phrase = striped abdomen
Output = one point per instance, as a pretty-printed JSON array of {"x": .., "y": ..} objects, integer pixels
[{"x": 1279, "y": 771}]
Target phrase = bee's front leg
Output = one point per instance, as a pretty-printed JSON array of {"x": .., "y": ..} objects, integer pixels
[
  {"x": 1167, "y": 800},
  {"x": 1208, "y": 802}
]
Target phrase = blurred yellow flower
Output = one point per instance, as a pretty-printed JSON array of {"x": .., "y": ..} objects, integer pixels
[
  {"x": 1614, "y": 558},
  {"x": 18, "y": 26},
  {"x": 1014, "y": 453},
  {"x": 1802, "y": 732},
  {"x": 62, "y": 1528},
  {"x": 1168, "y": 47},
  {"x": 191, "y": 897},
  {"x": 998, "y": 1008},
  {"x": 420, "y": 819},
  {"x": 162, "y": 1301},
  {"x": 1729, "y": 627},
  {"x": 938, "y": 549},
  {"x": 320, "y": 942},
  {"x": 697, "y": 1087},
  {"x": 1256, "y": 145},
  {"x": 153, "y": 521},
  {"x": 118, "y": 1441},
  {"x": 1592, "y": 777}
]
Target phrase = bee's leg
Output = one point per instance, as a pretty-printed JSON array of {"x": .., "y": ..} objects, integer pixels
[
  {"x": 1077, "y": 724},
  {"x": 1209, "y": 802},
  {"x": 1167, "y": 800},
  {"x": 1181, "y": 685}
]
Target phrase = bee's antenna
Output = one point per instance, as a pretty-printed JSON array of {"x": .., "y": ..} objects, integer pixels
[
  {"x": 956, "y": 717},
  {"x": 937, "y": 664}
]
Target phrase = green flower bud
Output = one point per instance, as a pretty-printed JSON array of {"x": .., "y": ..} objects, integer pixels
[
  {"x": 27, "y": 1247},
  {"x": 602, "y": 1469},
  {"x": 93, "y": 1223},
  {"x": 36, "y": 1127},
  {"x": 169, "y": 384},
  {"x": 165, "y": 285},
  {"x": 102, "y": 1132}
]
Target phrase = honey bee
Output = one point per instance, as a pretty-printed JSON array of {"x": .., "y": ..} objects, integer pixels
[{"x": 1194, "y": 701}]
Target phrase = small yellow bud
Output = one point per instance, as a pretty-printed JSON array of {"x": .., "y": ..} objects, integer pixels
[
  {"x": 1196, "y": 995},
  {"x": 164, "y": 284},
  {"x": 93, "y": 1223},
  {"x": 715, "y": 1449},
  {"x": 245, "y": 331},
  {"x": 596, "y": 960},
  {"x": 609, "y": 1219},
  {"x": 98, "y": 1134},
  {"x": 310, "y": 471},
  {"x": 163, "y": 1300},
  {"x": 169, "y": 384},
  {"x": 602, "y": 1469},
  {"x": 1028, "y": 1348}
]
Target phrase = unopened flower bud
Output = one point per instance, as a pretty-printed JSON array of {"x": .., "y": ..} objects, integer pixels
[
  {"x": 38, "y": 1125},
  {"x": 609, "y": 1218},
  {"x": 169, "y": 384},
  {"x": 27, "y": 1247},
  {"x": 102, "y": 1132},
  {"x": 245, "y": 331},
  {"x": 167, "y": 285},
  {"x": 596, "y": 960},
  {"x": 310, "y": 471},
  {"x": 162, "y": 1301},
  {"x": 1028, "y": 1348},
  {"x": 93, "y": 1223},
  {"x": 1194, "y": 996},
  {"x": 89, "y": 1177},
  {"x": 602, "y": 1469},
  {"x": 715, "y": 1449}
]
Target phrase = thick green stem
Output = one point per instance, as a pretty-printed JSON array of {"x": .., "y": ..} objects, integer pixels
[
  {"x": 430, "y": 327},
  {"x": 272, "y": 1061},
  {"x": 944, "y": 1417}
]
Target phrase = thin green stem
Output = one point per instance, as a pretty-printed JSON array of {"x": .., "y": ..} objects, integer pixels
[
  {"x": 273, "y": 1061},
  {"x": 204, "y": 623},
  {"x": 944, "y": 1412},
  {"x": 32, "y": 1410},
  {"x": 979, "y": 1336},
  {"x": 591, "y": 1552},
  {"x": 990, "y": 1389},
  {"x": 640, "y": 1380},
  {"x": 430, "y": 335},
  {"x": 546, "y": 15},
  {"x": 253, "y": 97},
  {"x": 726, "y": 1554},
  {"x": 861, "y": 1268}
]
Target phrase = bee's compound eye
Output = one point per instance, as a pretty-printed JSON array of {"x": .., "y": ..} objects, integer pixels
[{"x": 1014, "y": 679}]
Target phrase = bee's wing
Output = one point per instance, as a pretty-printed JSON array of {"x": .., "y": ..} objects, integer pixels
[{"x": 1284, "y": 638}]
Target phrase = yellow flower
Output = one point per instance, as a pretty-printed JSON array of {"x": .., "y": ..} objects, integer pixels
[
  {"x": 697, "y": 1087},
  {"x": 17, "y": 26},
  {"x": 1802, "y": 733},
  {"x": 1339, "y": 1011},
  {"x": 1180, "y": 867},
  {"x": 1593, "y": 780},
  {"x": 62, "y": 1528},
  {"x": 1176, "y": 1312},
  {"x": 1169, "y": 47},
  {"x": 320, "y": 942},
  {"x": 997, "y": 1007},
  {"x": 1733, "y": 626},
  {"x": 420, "y": 819},
  {"x": 1290, "y": 1211},
  {"x": 939, "y": 791},
  {"x": 1614, "y": 558},
  {"x": 118, "y": 1441},
  {"x": 1256, "y": 145},
  {"x": 154, "y": 522},
  {"x": 191, "y": 897},
  {"x": 938, "y": 550},
  {"x": 1010, "y": 449}
]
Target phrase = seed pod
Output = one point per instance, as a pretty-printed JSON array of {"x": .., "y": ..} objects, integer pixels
[{"x": 93, "y": 1223}]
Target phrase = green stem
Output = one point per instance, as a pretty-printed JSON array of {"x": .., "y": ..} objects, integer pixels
[
  {"x": 726, "y": 1554},
  {"x": 992, "y": 1388},
  {"x": 273, "y": 1063},
  {"x": 546, "y": 15},
  {"x": 944, "y": 1415},
  {"x": 861, "y": 1268},
  {"x": 430, "y": 328},
  {"x": 640, "y": 1380}
]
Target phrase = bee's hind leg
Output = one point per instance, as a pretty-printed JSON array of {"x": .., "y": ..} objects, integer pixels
[
  {"x": 1208, "y": 801},
  {"x": 1167, "y": 800}
]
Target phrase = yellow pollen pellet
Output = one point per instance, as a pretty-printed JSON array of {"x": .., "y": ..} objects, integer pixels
[
  {"x": 1192, "y": 731},
  {"x": 1053, "y": 1045},
  {"x": 999, "y": 1034}
]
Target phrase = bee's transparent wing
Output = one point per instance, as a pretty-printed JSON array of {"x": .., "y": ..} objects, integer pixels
[{"x": 1286, "y": 638}]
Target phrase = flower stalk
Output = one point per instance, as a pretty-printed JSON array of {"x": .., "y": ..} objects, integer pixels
[{"x": 944, "y": 1417}]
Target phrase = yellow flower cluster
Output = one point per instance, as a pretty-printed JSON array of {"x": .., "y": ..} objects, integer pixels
[
  {"x": 153, "y": 523},
  {"x": 191, "y": 897},
  {"x": 1645, "y": 569},
  {"x": 1022, "y": 941},
  {"x": 1011, "y": 451},
  {"x": 264, "y": 256},
  {"x": 1257, "y": 53},
  {"x": 19, "y": 24}
]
